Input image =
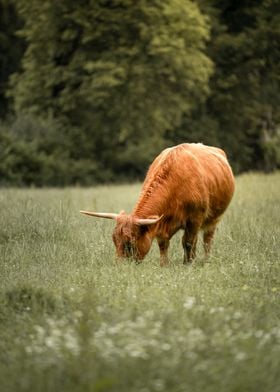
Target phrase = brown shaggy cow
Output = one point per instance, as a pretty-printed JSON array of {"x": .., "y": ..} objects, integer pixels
[{"x": 187, "y": 187}]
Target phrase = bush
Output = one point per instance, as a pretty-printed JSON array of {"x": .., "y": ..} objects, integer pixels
[{"x": 39, "y": 153}]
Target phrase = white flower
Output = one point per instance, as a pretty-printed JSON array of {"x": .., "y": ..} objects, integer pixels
[
  {"x": 240, "y": 356},
  {"x": 158, "y": 385},
  {"x": 189, "y": 303}
]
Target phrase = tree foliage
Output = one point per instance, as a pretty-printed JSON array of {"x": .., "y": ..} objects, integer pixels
[
  {"x": 115, "y": 81},
  {"x": 11, "y": 49},
  {"x": 123, "y": 71},
  {"x": 246, "y": 86}
]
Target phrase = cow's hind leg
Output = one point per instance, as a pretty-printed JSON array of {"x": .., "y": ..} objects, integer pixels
[
  {"x": 208, "y": 236},
  {"x": 189, "y": 242}
]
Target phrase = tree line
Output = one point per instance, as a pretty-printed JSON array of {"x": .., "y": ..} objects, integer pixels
[{"x": 92, "y": 90}]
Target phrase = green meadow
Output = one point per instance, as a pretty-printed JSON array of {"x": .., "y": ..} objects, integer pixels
[{"x": 71, "y": 319}]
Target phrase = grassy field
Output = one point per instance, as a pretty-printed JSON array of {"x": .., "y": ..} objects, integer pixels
[{"x": 73, "y": 320}]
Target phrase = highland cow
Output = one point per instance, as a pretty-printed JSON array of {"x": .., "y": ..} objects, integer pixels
[{"x": 187, "y": 187}]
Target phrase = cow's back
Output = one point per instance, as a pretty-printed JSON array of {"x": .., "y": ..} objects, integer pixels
[
  {"x": 187, "y": 179},
  {"x": 210, "y": 174}
]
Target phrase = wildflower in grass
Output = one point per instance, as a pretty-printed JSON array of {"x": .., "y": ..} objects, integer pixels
[
  {"x": 219, "y": 309},
  {"x": 189, "y": 303},
  {"x": 195, "y": 338},
  {"x": 240, "y": 356},
  {"x": 237, "y": 315},
  {"x": 259, "y": 334},
  {"x": 276, "y": 332},
  {"x": 158, "y": 384},
  {"x": 55, "y": 338},
  {"x": 166, "y": 347},
  {"x": 130, "y": 338}
]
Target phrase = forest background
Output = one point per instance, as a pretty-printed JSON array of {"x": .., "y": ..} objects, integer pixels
[{"x": 92, "y": 90}]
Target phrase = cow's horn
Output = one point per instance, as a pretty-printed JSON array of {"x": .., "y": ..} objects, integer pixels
[
  {"x": 148, "y": 221},
  {"x": 108, "y": 215}
]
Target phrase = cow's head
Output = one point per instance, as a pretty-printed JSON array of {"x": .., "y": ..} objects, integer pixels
[{"x": 131, "y": 234}]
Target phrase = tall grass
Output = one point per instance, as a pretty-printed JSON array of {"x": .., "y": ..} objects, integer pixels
[{"x": 73, "y": 320}]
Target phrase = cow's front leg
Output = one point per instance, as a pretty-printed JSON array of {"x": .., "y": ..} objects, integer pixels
[
  {"x": 163, "y": 247},
  {"x": 189, "y": 242},
  {"x": 189, "y": 245}
]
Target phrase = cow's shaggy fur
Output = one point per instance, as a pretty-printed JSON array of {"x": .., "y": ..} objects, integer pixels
[{"x": 187, "y": 187}]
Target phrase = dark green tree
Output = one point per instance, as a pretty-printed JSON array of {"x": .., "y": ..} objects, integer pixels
[
  {"x": 11, "y": 50},
  {"x": 245, "y": 88},
  {"x": 122, "y": 72}
]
